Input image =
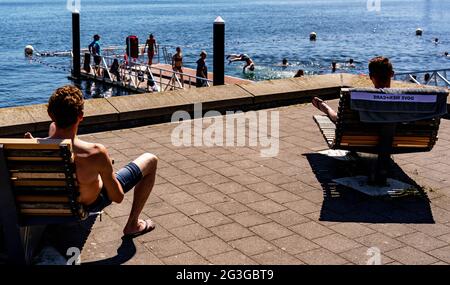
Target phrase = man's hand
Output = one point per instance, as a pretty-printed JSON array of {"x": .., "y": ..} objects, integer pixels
[{"x": 28, "y": 135}]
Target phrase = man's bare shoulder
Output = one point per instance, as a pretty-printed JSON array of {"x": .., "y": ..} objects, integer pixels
[{"x": 95, "y": 152}]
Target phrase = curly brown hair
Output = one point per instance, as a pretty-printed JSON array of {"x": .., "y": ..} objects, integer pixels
[
  {"x": 65, "y": 105},
  {"x": 381, "y": 68}
]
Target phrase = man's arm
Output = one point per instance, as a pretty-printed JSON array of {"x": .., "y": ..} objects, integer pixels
[{"x": 110, "y": 182}]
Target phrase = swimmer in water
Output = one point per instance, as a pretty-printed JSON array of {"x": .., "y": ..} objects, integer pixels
[
  {"x": 300, "y": 73},
  {"x": 436, "y": 41},
  {"x": 284, "y": 62},
  {"x": 333, "y": 66},
  {"x": 446, "y": 54},
  {"x": 242, "y": 57},
  {"x": 351, "y": 63}
]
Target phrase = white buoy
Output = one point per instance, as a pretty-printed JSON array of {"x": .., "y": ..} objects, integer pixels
[
  {"x": 312, "y": 36},
  {"x": 419, "y": 32},
  {"x": 29, "y": 50}
]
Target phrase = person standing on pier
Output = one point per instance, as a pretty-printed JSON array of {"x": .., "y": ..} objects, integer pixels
[
  {"x": 94, "y": 49},
  {"x": 152, "y": 49},
  {"x": 177, "y": 64},
  {"x": 202, "y": 70}
]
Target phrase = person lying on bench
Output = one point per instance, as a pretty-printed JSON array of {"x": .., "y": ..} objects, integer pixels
[
  {"x": 99, "y": 186},
  {"x": 380, "y": 72}
]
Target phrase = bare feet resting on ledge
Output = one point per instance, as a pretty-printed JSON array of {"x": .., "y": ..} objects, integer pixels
[{"x": 322, "y": 106}]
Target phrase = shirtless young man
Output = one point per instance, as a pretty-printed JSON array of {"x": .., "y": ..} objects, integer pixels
[
  {"x": 380, "y": 72},
  {"x": 99, "y": 186}
]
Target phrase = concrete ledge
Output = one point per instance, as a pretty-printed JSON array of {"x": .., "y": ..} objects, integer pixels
[
  {"x": 294, "y": 89},
  {"x": 143, "y": 109},
  {"x": 15, "y": 120}
]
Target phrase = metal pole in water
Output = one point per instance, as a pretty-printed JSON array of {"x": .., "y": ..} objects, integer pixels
[
  {"x": 219, "y": 51},
  {"x": 76, "y": 50}
]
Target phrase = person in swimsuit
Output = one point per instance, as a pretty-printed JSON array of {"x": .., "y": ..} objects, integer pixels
[
  {"x": 152, "y": 49},
  {"x": 98, "y": 185},
  {"x": 177, "y": 64},
  {"x": 242, "y": 57}
]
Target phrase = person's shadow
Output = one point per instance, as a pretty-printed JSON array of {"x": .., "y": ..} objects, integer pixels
[
  {"x": 64, "y": 236},
  {"x": 341, "y": 204}
]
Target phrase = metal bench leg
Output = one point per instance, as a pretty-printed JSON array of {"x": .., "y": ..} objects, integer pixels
[
  {"x": 8, "y": 217},
  {"x": 387, "y": 133}
]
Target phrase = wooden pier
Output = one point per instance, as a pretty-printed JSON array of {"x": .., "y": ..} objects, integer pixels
[{"x": 137, "y": 77}]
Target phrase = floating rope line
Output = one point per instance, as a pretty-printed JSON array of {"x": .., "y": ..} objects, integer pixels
[{"x": 37, "y": 60}]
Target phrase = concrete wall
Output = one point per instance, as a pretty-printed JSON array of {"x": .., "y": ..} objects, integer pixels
[{"x": 142, "y": 109}]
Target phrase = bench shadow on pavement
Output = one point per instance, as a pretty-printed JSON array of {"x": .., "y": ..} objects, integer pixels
[
  {"x": 64, "y": 236},
  {"x": 341, "y": 204}
]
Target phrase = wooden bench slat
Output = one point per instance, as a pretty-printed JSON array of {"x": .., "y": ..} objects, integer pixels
[
  {"x": 46, "y": 212},
  {"x": 39, "y": 175},
  {"x": 38, "y": 183},
  {"x": 42, "y": 199}
]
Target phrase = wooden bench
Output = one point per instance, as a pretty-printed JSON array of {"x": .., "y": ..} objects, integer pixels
[
  {"x": 38, "y": 187},
  {"x": 350, "y": 133}
]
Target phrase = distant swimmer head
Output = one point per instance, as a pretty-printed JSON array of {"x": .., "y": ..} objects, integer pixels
[
  {"x": 96, "y": 37},
  {"x": 29, "y": 50},
  {"x": 300, "y": 73},
  {"x": 436, "y": 40},
  {"x": 285, "y": 61},
  {"x": 351, "y": 61},
  {"x": 334, "y": 66},
  {"x": 446, "y": 53},
  {"x": 312, "y": 36},
  {"x": 419, "y": 32}
]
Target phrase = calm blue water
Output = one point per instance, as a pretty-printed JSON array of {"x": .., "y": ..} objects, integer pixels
[{"x": 267, "y": 30}]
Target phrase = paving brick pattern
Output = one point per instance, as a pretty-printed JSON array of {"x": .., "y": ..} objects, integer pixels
[{"x": 229, "y": 205}]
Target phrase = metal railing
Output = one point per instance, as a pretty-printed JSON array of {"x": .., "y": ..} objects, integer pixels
[
  {"x": 121, "y": 50},
  {"x": 138, "y": 76},
  {"x": 437, "y": 77}
]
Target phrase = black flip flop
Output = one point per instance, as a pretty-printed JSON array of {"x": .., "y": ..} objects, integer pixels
[{"x": 149, "y": 226}]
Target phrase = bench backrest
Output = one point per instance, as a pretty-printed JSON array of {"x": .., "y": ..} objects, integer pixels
[
  {"x": 410, "y": 135},
  {"x": 40, "y": 175}
]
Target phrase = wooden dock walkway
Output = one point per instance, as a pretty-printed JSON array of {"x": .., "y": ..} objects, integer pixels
[{"x": 135, "y": 78}]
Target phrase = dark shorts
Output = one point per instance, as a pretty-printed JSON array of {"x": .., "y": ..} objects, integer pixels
[
  {"x": 128, "y": 177},
  {"x": 97, "y": 59}
]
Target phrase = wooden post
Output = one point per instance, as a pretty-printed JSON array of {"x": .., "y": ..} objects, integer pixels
[
  {"x": 219, "y": 51},
  {"x": 76, "y": 49}
]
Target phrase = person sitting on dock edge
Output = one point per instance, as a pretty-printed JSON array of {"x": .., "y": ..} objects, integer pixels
[
  {"x": 152, "y": 48},
  {"x": 242, "y": 57},
  {"x": 202, "y": 71},
  {"x": 99, "y": 186},
  {"x": 381, "y": 72}
]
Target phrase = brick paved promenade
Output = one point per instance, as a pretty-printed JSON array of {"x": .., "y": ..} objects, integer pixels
[{"x": 223, "y": 205}]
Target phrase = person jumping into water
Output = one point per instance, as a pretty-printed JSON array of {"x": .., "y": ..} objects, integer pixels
[
  {"x": 380, "y": 72},
  {"x": 242, "y": 57}
]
